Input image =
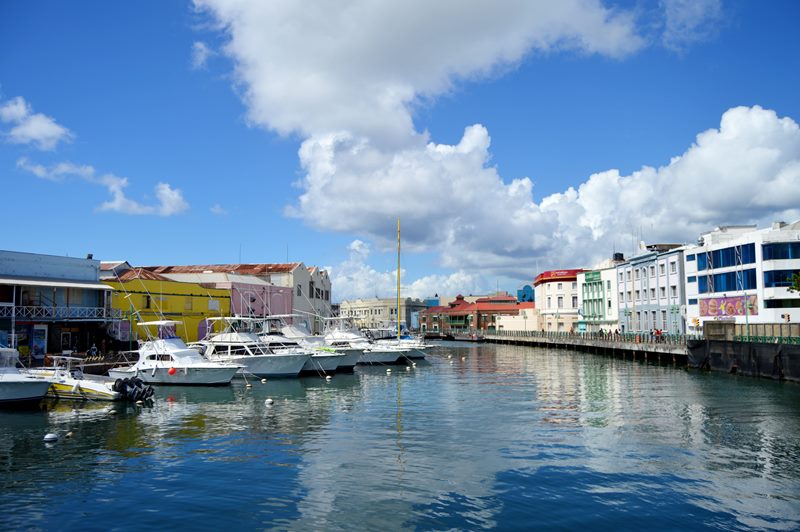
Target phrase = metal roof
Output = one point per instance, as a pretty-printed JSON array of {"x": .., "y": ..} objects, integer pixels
[{"x": 58, "y": 283}]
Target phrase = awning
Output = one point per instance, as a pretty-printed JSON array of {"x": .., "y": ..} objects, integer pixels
[{"x": 57, "y": 283}]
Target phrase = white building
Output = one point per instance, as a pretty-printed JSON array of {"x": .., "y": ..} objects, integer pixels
[
  {"x": 742, "y": 274},
  {"x": 376, "y": 312},
  {"x": 557, "y": 299}
]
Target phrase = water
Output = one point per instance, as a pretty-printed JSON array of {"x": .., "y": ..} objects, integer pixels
[{"x": 508, "y": 437}]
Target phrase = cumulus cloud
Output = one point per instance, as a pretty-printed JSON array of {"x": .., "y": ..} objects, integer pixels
[
  {"x": 170, "y": 201},
  {"x": 359, "y": 68},
  {"x": 28, "y": 127},
  {"x": 354, "y": 278},
  {"x": 347, "y": 80},
  {"x": 200, "y": 54},
  {"x": 689, "y": 21},
  {"x": 218, "y": 210}
]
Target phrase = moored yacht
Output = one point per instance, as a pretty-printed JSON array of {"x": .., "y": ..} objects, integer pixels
[
  {"x": 240, "y": 346},
  {"x": 17, "y": 388},
  {"x": 170, "y": 361}
]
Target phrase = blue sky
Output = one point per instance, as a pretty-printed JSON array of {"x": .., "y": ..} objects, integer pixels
[{"x": 509, "y": 138}]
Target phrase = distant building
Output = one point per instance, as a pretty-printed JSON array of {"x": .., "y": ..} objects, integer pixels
[
  {"x": 742, "y": 274},
  {"x": 650, "y": 288},
  {"x": 557, "y": 299},
  {"x": 372, "y": 313},
  {"x": 525, "y": 294},
  {"x": 463, "y": 317},
  {"x": 50, "y": 304}
]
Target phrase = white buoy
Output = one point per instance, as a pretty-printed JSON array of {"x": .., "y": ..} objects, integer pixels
[
  {"x": 263, "y": 381},
  {"x": 414, "y": 364},
  {"x": 139, "y": 402},
  {"x": 68, "y": 434},
  {"x": 248, "y": 385},
  {"x": 408, "y": 368},
  {"x": 388, "y": 370},
  {"x": 50, "y": 436},
  {"x": 463, "y": 358},
  {"x": 449, "y": 356},
  {"x": 112, "y": 412},
  {"x": 451, "y": 362},
  {"x": 268, "y": 401},
  {"x": 328, "y": 377}
]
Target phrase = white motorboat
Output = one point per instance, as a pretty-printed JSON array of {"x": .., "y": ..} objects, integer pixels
[
  {"x": 17, "y": 388},
  {"x": 69, "y": 382},
  {"x": 344, "y": 334},
  {"x": 171, "y": 361},
  {"x": 248, "y": 350},
  {"x": 319, "y": 345},
  {"x": 320, "y": 360}
]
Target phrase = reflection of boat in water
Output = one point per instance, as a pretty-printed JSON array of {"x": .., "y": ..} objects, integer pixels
[
  {"x": 171, "y": 361},
  {"x": 68, "y": 381},
  {"x": 15, "y": 386}
]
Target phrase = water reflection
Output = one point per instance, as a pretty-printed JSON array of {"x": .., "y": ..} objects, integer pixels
[{"x": 478, "y": 437}]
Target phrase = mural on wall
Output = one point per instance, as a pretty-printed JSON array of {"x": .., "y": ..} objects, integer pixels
[{"x": 729, "y": 306}]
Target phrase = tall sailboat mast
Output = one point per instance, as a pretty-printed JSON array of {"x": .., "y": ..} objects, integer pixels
[{"x": 398, "y": 279}]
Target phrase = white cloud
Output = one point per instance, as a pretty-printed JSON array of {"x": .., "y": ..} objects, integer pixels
[
  {"x": 170, "y": 201},
  {"x": 31, "y": 128},
  {"x": 200, "y": 54},
  {"x": 354, "y": 278},
  {"x": 359, "y": 68},
  {"x": 218, "y": 210},
  {"x": 689, "y": 21}
]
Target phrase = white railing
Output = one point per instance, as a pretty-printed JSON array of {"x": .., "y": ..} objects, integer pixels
[{"x": 60, "y": 313}]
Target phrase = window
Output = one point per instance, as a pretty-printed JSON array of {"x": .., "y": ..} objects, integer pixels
[
  {"x": 652, "y": 271},
  {"x": 299, "y": 290},
  {"x": 636, "y": 275},
  {"x": 780, "y": 251},
  {"x": 663, "y": 291},
  {"x": 673, "y": 291},
  {"x": 673, "y": 267},
  {"x": 560, "y": 301},
  {"x": 311, "y": 289},
  {"x": 609, "y": 304},
  {"x": 549, "y": 305},
  {"x": 663, "y": 318},
  {"x": 652, "y": 293},
  {"x": 629, "y": 295},
  {"x": 620, "y": 276},
  {"x": 559, "y": 287},
  {"x": 661, "y": 269},
  {"x": 691, "y": 279},
  {"x": 621, "y": 296},
  {"x": 608, "y": 285},
  {"x": 628, "y": 274},
  {"x": 574, "y": 301},
  {"x": 693, "y": 301},
  {"x": 722, "y": 258},
  {"x": 778, "y": 278},
  {"x": 574, "y": 285},
  {"x": 147, "y": 302},
  {"x": 724, "y": 282},
  {"x": 689, "y": 258},
  {"x": 637, "y": 295},
  {"x": 187, "y": 303}
]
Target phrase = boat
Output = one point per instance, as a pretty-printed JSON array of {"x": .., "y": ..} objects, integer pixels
[
  {"x": 237, "y": 344},
  {"x": 170, "y": 361},
  {"x": 321, "y": 361},
  {"x": 68, "y": 381},
  {"x": 17, "y": 388},
  {"x": 319, "y": 344}
]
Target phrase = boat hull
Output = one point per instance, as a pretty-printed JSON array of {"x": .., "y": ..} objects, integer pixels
[
  {"x": 381, "y": 356},
  {"x": 22, "y": 391},
  {"x": 276, "y": 365},
  {"x": 185, "y": 376},
  {"x": 326, "y": 362}
]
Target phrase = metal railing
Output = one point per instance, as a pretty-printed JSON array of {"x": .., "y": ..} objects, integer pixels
[
  {"x": 641, "y": 338},
  {"x": 60, "y": 313}
]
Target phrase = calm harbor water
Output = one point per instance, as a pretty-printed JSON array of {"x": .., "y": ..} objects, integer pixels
[{"x": 479, "y": 436}]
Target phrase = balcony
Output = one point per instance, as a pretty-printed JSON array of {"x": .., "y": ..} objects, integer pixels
[{"x": 38, "y": 313}]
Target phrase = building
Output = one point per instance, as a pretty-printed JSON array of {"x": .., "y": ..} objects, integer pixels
[
  {"x": 142, "y": 295},
  {"x": 598, "y": 303},
  {"x": 528, "y": 319},
  {"x": 372, "y": 313},
  {"x": 556, "y": 295},
  {"x": 650, "y": 288},
  {"x": 742, "y": 274},
  {"x": 310, "y": 286},
  {"x": 461, "y": 317},
  {"x": 50, "y": 304}
]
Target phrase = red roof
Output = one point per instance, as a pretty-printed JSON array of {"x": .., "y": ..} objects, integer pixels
[
  {"x": 242, "y": 269},
  {"x": 557, "y": 275},
  {"x": 138, "y": 273}
]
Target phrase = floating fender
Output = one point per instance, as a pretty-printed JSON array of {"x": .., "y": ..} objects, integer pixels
[{"x": 117, "y": 387}]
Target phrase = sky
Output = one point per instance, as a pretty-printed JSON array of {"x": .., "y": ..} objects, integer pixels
[{"x": 509, "y": 137}]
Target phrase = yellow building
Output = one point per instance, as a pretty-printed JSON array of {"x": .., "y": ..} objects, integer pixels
[{"x": 148, "y": 296}]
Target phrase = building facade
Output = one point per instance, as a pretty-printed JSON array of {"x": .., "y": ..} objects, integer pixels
[
  {"x": 142, "y": 295},
  {"x": 650, "y": 288},
  {"x": 461, "y": 317},
  {"x": 373, "y": 313},
  {"x": 51, "y": 304},
  {"x": 742, "y": 274},
  {"x": 598, "y": 303},
  {"x": 556, "y": 295}
]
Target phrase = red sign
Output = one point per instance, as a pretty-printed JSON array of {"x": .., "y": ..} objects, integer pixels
[{"x": 557, "y": 274}]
